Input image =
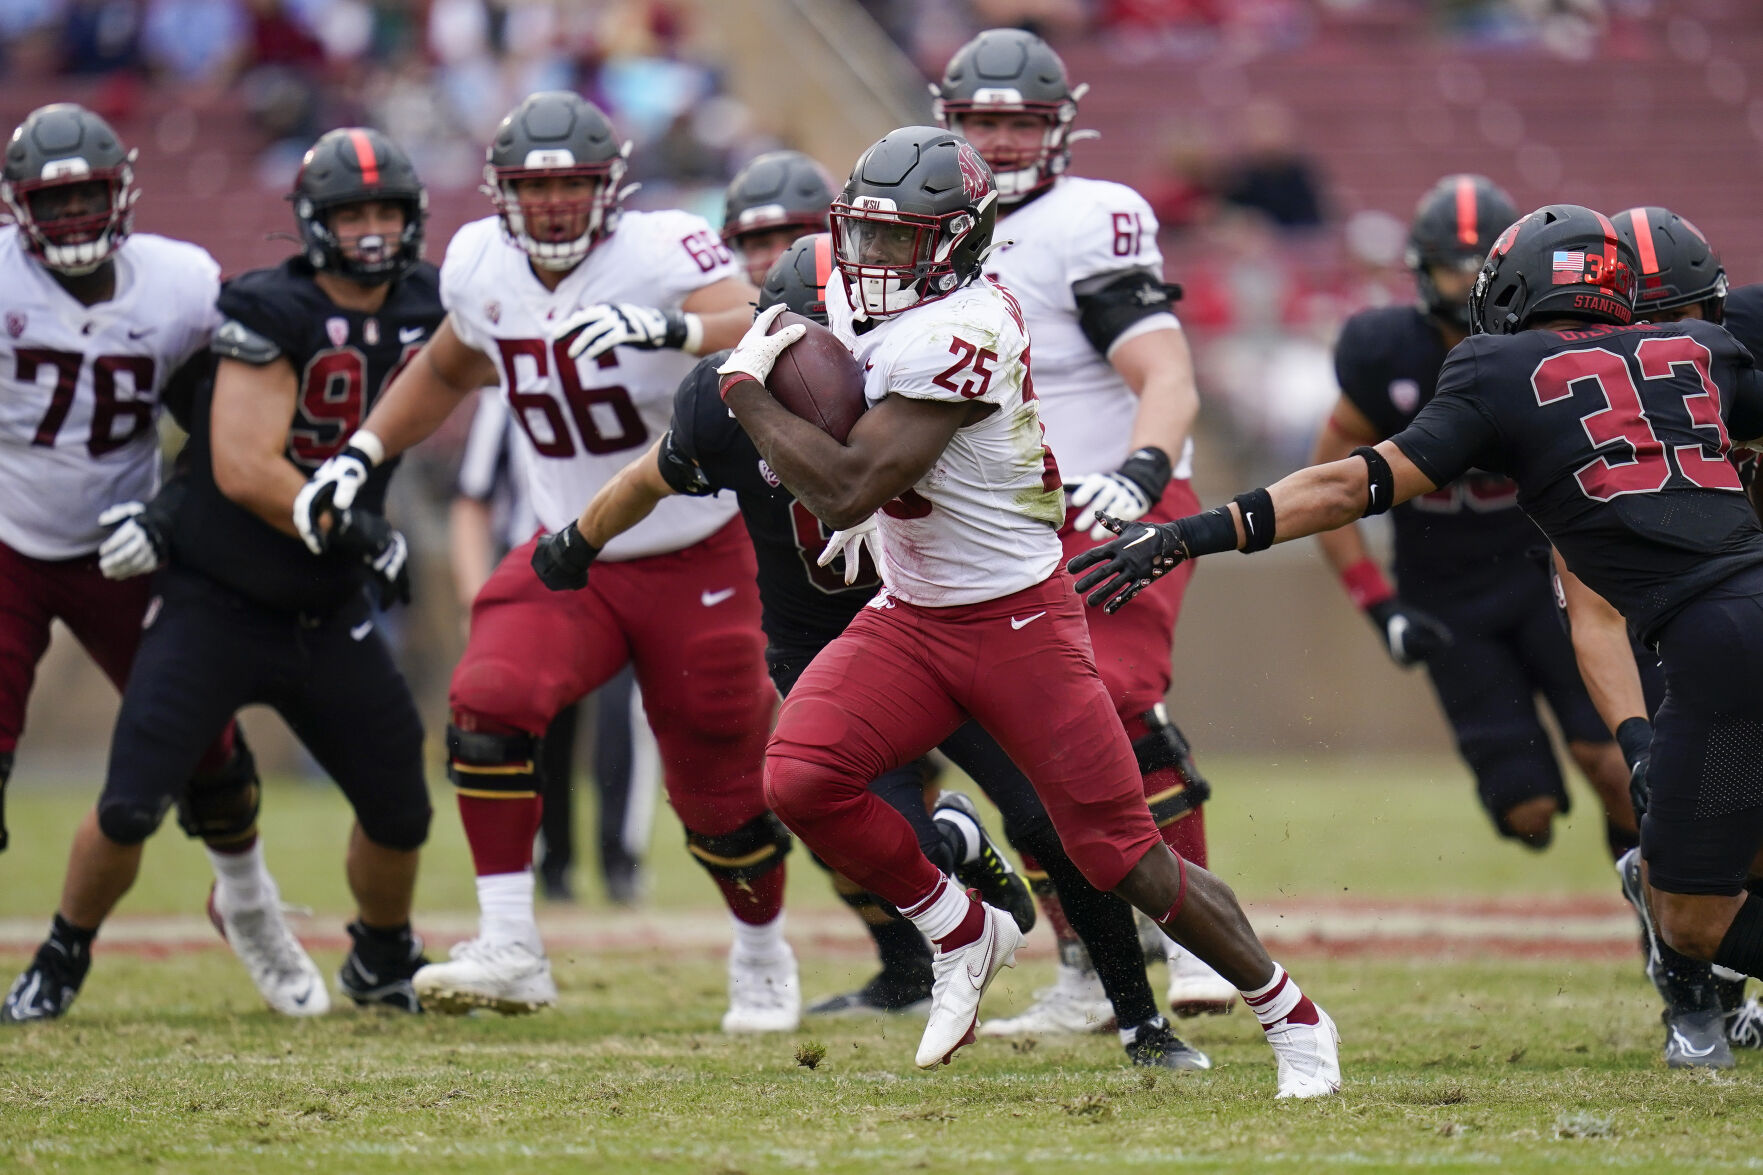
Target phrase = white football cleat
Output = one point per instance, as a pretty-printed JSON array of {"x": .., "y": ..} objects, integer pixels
[
  {"x": 763, "y": 993},
  {"x": 1196, "y": 989},
  {"x": 1075, "y": 1003},
  {"x": 1309, "y": 1057},
  {"x": 504, "y": 977},
  {"x": 277, "y": 963},
  {"x": 961, "y": 978}
]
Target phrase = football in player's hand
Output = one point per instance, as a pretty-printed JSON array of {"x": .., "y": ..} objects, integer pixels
[{"x": 817, "y": 378}]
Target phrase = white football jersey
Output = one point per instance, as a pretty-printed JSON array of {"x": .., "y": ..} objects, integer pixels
[
  {"x": 1082, "y": 228},
  {"x": 79, "y": 386},
  {"x": 585, "y": 420},
  {"x": 982, "y": 523}
]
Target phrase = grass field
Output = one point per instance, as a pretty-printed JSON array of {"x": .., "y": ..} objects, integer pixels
[{"x": 1458, "y": 1060}]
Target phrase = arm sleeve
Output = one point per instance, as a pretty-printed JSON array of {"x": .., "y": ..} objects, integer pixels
[
  {"x": 1111, "y": 305},
  {"x": 1453, "y": 433}
]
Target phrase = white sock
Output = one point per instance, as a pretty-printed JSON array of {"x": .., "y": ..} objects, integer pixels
[
  {"x": 242, "y": 882},
  {"x": 1274, "y": 1000},
  {"x": 941, "y": 912},
  {"x": 962, "y": 823},
  {"x": 763, "y": 940},
  {"x": 506, "y": 904}
]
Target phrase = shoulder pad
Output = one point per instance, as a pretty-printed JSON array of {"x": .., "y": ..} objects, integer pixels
[{"x": 235, "y": 340}]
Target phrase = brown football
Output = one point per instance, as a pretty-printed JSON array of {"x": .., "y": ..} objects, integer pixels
[{"x": 817, "y": 378}]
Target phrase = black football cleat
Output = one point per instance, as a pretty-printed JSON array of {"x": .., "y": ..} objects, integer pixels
[
  {"x": 1697, "y": 1040},
  {"x": 378, "y": 970},
  {"x": 990, "y": 873},
  {"x": 1156, "y": 1046},
  {"x": 47, "y": 987},
  {"x": 890, "y": 992}
]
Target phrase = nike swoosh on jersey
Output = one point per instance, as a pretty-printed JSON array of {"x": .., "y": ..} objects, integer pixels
[
  {"x": 1025, "y": 621},
  {"x": 409, "y": 334},
  {"x": 712, "y": 599},
  {"x": 360, "y": 631}
]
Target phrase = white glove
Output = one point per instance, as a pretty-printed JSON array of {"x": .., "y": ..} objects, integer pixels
[
  {"x": 851, "y": 544},
  {"x": 1126, "y": 494},
  {"x": 757, "y": 351},
  {"x": 132, "y": 548},
  {"x": 605, "y": 325},
  {"x": 334, "y": 486}
]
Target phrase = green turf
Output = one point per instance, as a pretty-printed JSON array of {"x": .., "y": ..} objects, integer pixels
[{"x": 1452, "y": 1064}]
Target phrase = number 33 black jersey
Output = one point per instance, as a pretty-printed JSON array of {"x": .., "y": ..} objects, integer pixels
[
  {"x": 342, "y": 361},
  {"x": 1618, "y": 439}
]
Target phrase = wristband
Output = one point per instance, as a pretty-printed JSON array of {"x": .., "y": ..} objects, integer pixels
[
  {"x": 1366, "y": 585},
  {"x": 369, "y": 445},
  {"x": 1635, "y": 737},
  {"x": 694, "y": 340},
  {"x": 1380, "y": 487},
  {"x": 727, "y": 382},
  {"x": 1256, "y": 507},
  {"x": 1207, "y": 533}
]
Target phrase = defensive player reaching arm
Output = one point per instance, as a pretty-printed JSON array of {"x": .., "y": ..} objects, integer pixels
[
  {"x": 971, "y": 555},
  {"x": 1617, "y": 436}
]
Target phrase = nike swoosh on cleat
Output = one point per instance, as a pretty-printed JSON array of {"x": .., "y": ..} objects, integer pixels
[
  {"x": 1683, "y": 1045},
  {"x": 360, "y": 631},
  {"x": 1026, "y": 620},
  {"x": 712, "y": 599}
]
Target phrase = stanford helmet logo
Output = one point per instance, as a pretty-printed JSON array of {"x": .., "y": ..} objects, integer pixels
[{"x": 976, "y": 177}]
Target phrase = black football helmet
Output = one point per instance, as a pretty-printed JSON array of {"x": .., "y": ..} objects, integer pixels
[
  {"x": 914, "y": 220},
  {"x": 780, "y": 189},
  {"x": 1454, "y": 226},
  {"x": 1677, "y": 265},
  {"x": 1009, "y": 71},
  {"x": 347, "y": 166},
  {"x": 60, "y": 146},
  {"x": 798, "y": 278},
  {"x": 557, "y": 134},
  {"x": 1559, "y": 261}
]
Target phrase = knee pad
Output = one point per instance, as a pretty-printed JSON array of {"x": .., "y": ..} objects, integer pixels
[
  {"x": 492, "y": 764},
  {"x": 723, "y": 693},
  {"x": 1506, "y": 777},
  {"x": 221, "y": 807},
  {"x": 130, "y": 822},
  {"x": 1163, "y": 746},
  {"x": 403, "y": 827},
  {"x": 750, "y": 851}
]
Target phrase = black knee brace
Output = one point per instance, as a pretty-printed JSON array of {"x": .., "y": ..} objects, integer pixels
[
  {"x": 1163, "y": 745},
  {"x": 752, "y": 850},
  {"x": 222, "y": 808},
  {"x": 480, "y": 762},
  {"x": 5, "y": 774}
]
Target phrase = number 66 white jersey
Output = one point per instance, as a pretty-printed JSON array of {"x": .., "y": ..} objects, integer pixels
[
  {"x": 79, "y": 386},
  {"x": 584, "y": 420}
]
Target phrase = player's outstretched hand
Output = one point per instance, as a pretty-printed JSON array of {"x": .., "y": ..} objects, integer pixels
[
  {"x": 1127, "y": 493},
  {"x": 138, "y": 544},
  {"x": 605, "y": 325},
  {"x": 381, "y": 547},
  {"x": 1125, "y": 567},
  {"x": 1410, "y": 635},
  {"x": 851, "y": 544},
  {"x": 331, "y": 490},
  {"x": 562, "y": 559},
  {"x": 757, "y": 352}
]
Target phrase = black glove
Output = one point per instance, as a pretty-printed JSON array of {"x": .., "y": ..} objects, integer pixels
[
  {"x": 1129, "y": 563},
  {"x": 1410, "y": 635},
  {"x": 379, "y": 545},
  {"x": 562, "y": 560},
  {"x": 1635, "y": 736}
]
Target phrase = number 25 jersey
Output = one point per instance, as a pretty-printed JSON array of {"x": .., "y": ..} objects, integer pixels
[
  {"x": 583, "y": 419},
  {"x": 80, "y": 386}
]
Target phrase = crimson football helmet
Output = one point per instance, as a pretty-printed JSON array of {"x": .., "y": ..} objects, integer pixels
[
  {"x": 557, "y": 134},
  {"x": 1559, "y": 261},
  {"x": 1009, "y": 71},
  {"x": 56, "y": 149}
]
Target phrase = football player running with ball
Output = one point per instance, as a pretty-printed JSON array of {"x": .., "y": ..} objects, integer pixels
[
  {"x": 636, "y": 294},
  {"x": 1617, "y": 434},
  {"x": 103, "y": 327},
  {"x": 1116, "y": 388},
  {"x": 975, "y": 618}
]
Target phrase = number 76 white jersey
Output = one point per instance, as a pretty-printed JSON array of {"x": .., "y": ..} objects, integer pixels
[
  {"x": 580, "y": 420},
  {"x": 80, "y": 385}
]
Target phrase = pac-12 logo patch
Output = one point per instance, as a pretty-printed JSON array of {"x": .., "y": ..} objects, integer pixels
[
  {"x": 16, "y": 322},
  {"x": 1404, "y": 394},
  {"x": 337, "y": 329}
]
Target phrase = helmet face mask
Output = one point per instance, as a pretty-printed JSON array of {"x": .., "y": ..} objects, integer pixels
[
  {"x": 70, "y": 187},
  {"x": 1012, "y": 72},
  {"x": 1454, "y": 226},
  {"x": 558, "y": 136},
  {"x": 1019, "y": 171}
]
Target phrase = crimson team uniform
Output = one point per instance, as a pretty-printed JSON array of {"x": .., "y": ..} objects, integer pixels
[{"x": 675, "y": 595}]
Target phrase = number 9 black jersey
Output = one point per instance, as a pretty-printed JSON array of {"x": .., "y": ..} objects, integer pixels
[
  {"x": 1618, "y": 439},
  {"x": 342, "y": 361}
]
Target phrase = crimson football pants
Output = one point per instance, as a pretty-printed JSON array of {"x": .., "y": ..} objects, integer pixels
[
  {"x": 902, "y": 678},
  {"x": 687, "y": 620}
]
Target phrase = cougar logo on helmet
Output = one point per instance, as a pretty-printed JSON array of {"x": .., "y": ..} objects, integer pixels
[{"x": 976, "y": 177}]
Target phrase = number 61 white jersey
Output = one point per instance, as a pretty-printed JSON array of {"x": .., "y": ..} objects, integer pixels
[
  {"x": 79, "y": 386},
  {"x": 583, "y": 420}
]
